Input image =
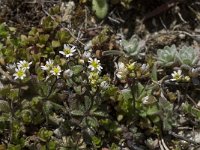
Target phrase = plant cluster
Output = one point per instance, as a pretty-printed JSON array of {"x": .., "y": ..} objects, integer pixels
[
  {"x": 56, "y": 94},
  {"x": 170, "y": 56}
]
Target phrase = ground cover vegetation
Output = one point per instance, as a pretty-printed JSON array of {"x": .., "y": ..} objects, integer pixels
[{"x": 98, "y": 74}]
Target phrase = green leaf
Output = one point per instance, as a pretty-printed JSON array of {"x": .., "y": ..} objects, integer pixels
[
  {"x": 100, "y": 7},
  {"x": 3, "y": 32},
  {"x": 100, "y": 114},
  {"x": 77, "y": 69},
  {"x": 64, "y": 36},
  {"x": 127, "y": 94},
  {"x": 133, "y": 46},
  {"x": 77, "y": 113},
  {"x": 47, "y": 107},
  {"x": 55, "y": 44},
  {"x": 154, "y": 76},
  {"x": 115, "y": 147},
  {"x": 167, "y": 56},
  {"x": 26, "y": 115},
  {"x": 1, "y": 46},
  {"x": 126, "y": 101},
  {"x": 4, "y": 106},
  {"x": 43, "y": 38},
  {"x": 12, "y": 29},
  {"x": 92, "y": 122},
  {"x": 45, "y": 134},
  {"x": 152, "y": 110},
  {"x": 101, "y": 37},
  {"x": 14, "y": 147},
  {"x": 96, "y": 141},
  {"x": 51, "y": 145},
  {"x": 33, "y": 31},
  {"x": 87, "y": 102},
  {"x": 110, "y": 125},
  {"x": 48, "y": 23},
  {"x": 191, "y": 110},
  {"x": 79, "y": 89},
  {"x": 14, "y": 94}
]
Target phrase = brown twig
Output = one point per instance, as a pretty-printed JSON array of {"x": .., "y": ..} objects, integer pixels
[
  {"x": 183, "y": 138},
  {"x": 160, "y": 9}
]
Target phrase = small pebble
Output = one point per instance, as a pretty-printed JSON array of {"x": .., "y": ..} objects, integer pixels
[{"x": 181, "y": 36}]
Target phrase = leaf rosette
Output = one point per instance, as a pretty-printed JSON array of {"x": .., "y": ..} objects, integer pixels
[
  {"x": 167, "y": 56},
  {"x": 188, "y": 56}
]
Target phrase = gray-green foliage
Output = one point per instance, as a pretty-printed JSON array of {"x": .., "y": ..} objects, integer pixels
[
  {"x": 167, "y": 56},
  {"x": 133, "y": 46},
  {"x": 188, "y": 56}
]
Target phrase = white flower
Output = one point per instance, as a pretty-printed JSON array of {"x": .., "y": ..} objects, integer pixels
[
  {"x": 104, "y": 85},
  {"x": 67, "y": 73},
  {"x": 176, "y": 75},
  {"x": 94, "y": 65},
  {"x": 24, "y": 64},
  {"x": 56, "y": 70},
  {"x": 86, "y": 55},
  {"x": 68, "y": 51},
  {"x": 145, "y": 67},
  {"x": 122, "y": 70},
  {"x": 11, "y": 68},
  {"x": 48, "y": 66},
  {"x": 19, "y": 73}
]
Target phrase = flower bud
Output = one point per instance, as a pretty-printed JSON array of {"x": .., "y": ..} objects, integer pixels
[{"x": 67, "y": 73}]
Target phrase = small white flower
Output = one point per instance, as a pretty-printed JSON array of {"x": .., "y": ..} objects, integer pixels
[
  {"x": 67, "y": 73},
  {"x": 86, "y": 55},
  {"x": 48, "y": 66},
  {"x": 144, "y": 67},
  {"x": 104, "y": 85},
  {"x": 122, "y": 70},
  {"x": 11, "y": 68},
  {"x": 176, "y": 75},
  {"x": 19, "y": 73},
  {"x": 68, "y": 51},
  {"x": 24, "y": 64},
  {"x": 94, "y": 65},
  {"x": 56, "y": 70}
]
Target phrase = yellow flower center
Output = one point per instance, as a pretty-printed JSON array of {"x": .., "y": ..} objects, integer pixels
[
  {"x": 20, "y": 73},
  {"x": 25, "y": 65},
  {"x": 56, "y": 70},
  {"x": 94, "y": 64},
  {"x": 67, "y": 51}
]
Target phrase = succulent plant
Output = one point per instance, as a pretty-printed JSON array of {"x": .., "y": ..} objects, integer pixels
[
  {"x": 100, "y": 7},
  {"x": 133, "y": 46},
  {"x": 188, "y": 56},
  {"x": 167, "y": 56}
]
